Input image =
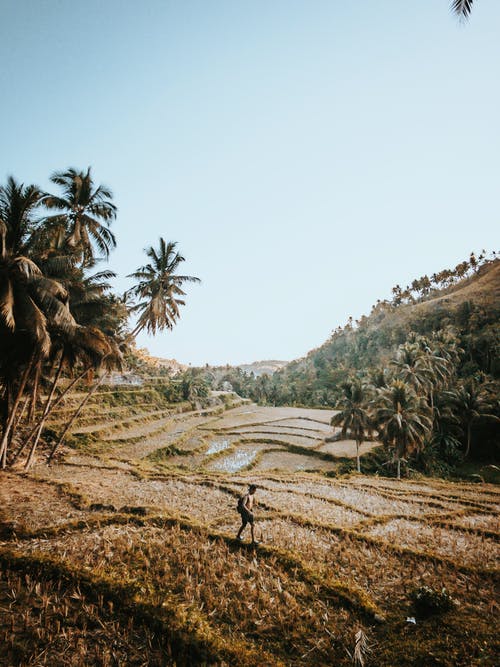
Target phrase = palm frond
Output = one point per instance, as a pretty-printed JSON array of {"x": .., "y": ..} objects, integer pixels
[
  {"x": 462, "y": 8},
  {"x": 7, "y": 303}
]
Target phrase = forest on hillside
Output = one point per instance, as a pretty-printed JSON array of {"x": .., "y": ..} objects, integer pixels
[{"x": 421, "y": 372}]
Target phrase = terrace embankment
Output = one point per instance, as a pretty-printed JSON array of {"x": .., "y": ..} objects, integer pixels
[{"x": 124, "y": 551}]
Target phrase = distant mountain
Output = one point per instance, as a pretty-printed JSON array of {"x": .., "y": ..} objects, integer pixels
[{"x": 262, "y": 367}]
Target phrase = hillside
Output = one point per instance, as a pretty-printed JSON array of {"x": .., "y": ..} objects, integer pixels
[
  {"x": 474, "y": 301},
  {"x": 469, "y": 309},
  {"x": 476, "y": 298}
]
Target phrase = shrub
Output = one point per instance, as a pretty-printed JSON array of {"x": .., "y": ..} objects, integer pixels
[{"x": 427, "y": 601}]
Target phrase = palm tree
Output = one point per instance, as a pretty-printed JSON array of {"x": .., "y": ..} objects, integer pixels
[
  {"x": 354, "y": 417},
  {"x": 35, "y": 318},
  {"x": 462, "y": 8},
  {"x": 472, "y": 404},
  {"x": 32, "y": 308},
  {"x": 159, "y": 289},
  {"x": 403, "y": 419},
  {"x": 412, "y": 367},
  {"x": 85, "y": 214},
  {"x": 436, "y": 362},
  {"x": 17, "y": 205},
  {"x": 194, "y": 387},
  {"x": 446, "y": 427}
]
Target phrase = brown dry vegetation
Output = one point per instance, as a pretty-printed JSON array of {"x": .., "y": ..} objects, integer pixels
[{"x": 117, "y": 556}]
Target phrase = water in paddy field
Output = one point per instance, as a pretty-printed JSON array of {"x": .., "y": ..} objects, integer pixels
[
  {"x": 217, "y": 446},
  {"x": 237, "y": 461}
]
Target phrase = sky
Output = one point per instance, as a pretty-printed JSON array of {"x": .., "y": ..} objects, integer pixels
[{"x": 306, "y": 155}]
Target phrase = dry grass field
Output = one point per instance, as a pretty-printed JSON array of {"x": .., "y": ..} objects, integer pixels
[{"x": 124, "y": 551}]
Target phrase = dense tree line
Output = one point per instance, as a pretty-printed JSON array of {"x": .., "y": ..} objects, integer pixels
[{"x": 59, "y": 320}]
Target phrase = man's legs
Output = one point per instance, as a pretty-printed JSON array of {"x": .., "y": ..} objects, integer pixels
[{"x": 242, "y": 528}]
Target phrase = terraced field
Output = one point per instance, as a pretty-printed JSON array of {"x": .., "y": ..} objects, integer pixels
[
  {"x": 124, "y": 552},
  {"x": 232, "y": 437}
]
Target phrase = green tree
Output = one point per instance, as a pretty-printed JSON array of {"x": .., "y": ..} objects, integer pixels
[
  {"x": 411, "y": 366},
  {"x": 39, "y": 335},
  {"x": 403, "y": 419},
  {"x": 353, "y": 417},
  {"x": 159, "y": 289},
  {"x": 472, "y": 403},
  {"x": 85, "y": 213},
  {"x": 18, "y": 204},
  {"x": 33, "y": 309}
]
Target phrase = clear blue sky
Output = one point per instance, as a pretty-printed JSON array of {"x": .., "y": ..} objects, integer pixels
[{"x": 306, "y": 155}]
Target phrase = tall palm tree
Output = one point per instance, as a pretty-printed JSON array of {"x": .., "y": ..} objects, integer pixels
[
  {"x": 472, "y": 403},
  {"x": 32, "y": 309},
  {"x": 85, "y": 213},
  {"x": 403, "y": 419},
  {"x": 436, "y": 362},
  {"x": 354, "y": 418},
  {"x": 446, "y": 427},
  {"x": 159, "y": 289},
  {"x": 411, "y": 366}
]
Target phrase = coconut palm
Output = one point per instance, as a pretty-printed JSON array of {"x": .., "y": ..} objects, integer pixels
[
  {"x": 32, "y": 308},
  {"x": 159, "y": 289},
  {"x": 446, "y": 427},
  {"x": 411, "y": 366},
  {"x": 403, "y": 419},
  {"x": 472, "y": 403},
  {"x": 18, "y": 204},
  {"x": 85, "y": 214},
  {"x": 353, "y": 417},
  {"x": 436, "y": 362}
]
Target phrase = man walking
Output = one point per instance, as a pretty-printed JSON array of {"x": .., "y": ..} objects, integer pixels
[{"x": 245, "y": 508}]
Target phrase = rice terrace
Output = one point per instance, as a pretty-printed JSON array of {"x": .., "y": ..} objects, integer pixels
[{"x": 124, "y": 551}]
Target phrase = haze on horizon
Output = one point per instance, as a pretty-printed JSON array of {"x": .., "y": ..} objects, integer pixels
[{"x": 306, "y": 156}]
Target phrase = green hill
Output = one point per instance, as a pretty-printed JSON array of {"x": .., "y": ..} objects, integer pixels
[
  {"x": 470, "y": 308},
  {"x": 448, "y": 325}
]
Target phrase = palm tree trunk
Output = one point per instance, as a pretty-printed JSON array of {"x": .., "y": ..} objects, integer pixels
[
  {"x": 469, "y": 434},
  {"x": 75, "y": 416},
  {"x": 12, "y": 416},
  {"x": 53, "y": 406},
  {"x": 45, "y": 414},
  {"x": 34, "y": 393},
  {"x": 20, "y": 414},
  {"x": 358, "y": 445},
  {"x": 399, "y": 468},
  {"x": 6, "y": 403}
]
